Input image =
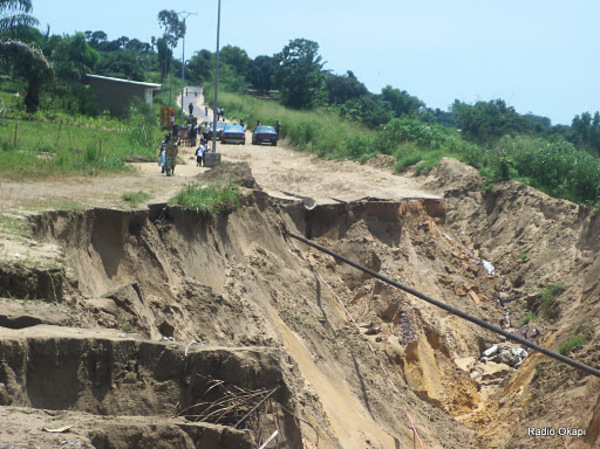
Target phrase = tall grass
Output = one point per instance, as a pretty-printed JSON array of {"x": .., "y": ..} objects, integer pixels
[
  {"x": 552, "y": 165},
  {"x": 320, "y": 132},
  {"x": 50, "y": 149}
]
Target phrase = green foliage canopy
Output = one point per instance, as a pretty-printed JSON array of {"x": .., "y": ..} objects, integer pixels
[{"x": 302, "y": 79}]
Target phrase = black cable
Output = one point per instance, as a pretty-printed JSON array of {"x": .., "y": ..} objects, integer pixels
[{"x": 451, "y": 309}]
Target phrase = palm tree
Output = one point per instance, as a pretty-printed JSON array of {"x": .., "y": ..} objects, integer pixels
[
  {"x": 13, "y": 16},
  {"x": 30, "y": 63},
  {"x": 27, "y": 61}
]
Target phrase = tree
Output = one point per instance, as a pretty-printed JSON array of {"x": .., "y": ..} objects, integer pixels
[
  {"x": 342, "y": 88},
  {"x": 486, "y": 122},
  {"x": 201, "y": 66},
  {"x": 261, "y": 73},
  {"x": 174, "y": 29},
  {"x": 401, "y": 102},
  {"x": 29, "y": 63},
  {"x": 14, "y": 17},
  {"x": 369, "y": 109},
  {"x": 302, "y": 79},
  {"x": 586, "y": 131},
  {"x": 96, "y": 39},
  {"x": 235, "y": 57}
]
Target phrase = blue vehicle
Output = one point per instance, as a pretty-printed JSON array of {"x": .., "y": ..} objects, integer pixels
[
  {"x": 220, "y": 128},
  {"x": 263, "y": 134},
  {"x": 234, "y": 134}
]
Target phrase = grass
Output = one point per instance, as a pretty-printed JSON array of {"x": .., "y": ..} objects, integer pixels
[
  {"x": 57, "y": 203},
  {"x": 207, "y": 199},
  {"x": 15, "y": 226},
  {"x": 49, "y": 149},
  {"x": 549, "y": 294},
  {"x": 135, "y": 198},
  {"x": 522, "y": 257},
  {"x": 576, "y": 342},
  {"x": 546, "y": 303},
  {"x": 530, "y": 317},
  {"x": 51, "y": 143}
]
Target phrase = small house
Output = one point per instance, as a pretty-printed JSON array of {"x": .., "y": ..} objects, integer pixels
[{"x": 115, "y": 94}]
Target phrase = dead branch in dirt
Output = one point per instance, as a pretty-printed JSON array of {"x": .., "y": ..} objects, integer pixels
[{"x": 233, "y": 404}]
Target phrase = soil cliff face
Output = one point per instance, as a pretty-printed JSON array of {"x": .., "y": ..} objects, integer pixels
[
  {"x": 167, "y": 316},
  {"x": 534, "y": 242}
]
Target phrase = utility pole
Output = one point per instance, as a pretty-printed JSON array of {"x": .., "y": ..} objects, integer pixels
[
  {"x": 212, "y": 158},
  {"x": 214, "y": 139},
  {"x": 185, "y": 15}
]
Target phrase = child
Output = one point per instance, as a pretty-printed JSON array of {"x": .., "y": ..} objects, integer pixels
[
  {"x": 162, "y": 158},
  {"x": 200, "y": 153}
]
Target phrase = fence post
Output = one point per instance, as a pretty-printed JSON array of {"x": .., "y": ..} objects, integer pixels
[
  {"x": 16, "y": 132},
  {"x": 58, "y": 137}
]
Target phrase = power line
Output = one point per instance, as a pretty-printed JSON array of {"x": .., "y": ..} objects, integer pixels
[{"x": 450, "y": 309}]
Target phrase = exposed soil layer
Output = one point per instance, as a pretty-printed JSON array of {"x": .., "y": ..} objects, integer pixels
[{"x": 164, "y": 315}]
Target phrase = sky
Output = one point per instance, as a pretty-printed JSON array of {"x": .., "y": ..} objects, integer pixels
[{"x": 541, "y": 57}]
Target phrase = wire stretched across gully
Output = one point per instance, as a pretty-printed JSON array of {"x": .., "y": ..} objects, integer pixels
[{"x": 561, "y": 358}]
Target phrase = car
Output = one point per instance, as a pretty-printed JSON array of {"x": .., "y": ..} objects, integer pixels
[
  {"x": 220, "y": 127},
  {"x": 264, "y": 133},
  {"x": 234, "y": 134}
]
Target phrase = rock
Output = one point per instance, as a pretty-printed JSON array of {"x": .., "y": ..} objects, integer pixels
[
  {"x": 373, "y": 330},
  {"x": 503, "y": 356},
  {"x": 529, "y": 332},
  {"x": 466, "y": 363},
  {"x": 493, "y": 373}
]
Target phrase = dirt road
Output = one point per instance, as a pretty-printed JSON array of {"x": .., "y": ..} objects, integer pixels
[{"x": 277, "y": 170}]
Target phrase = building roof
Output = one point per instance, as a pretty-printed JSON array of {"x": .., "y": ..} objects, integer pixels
[{"x": 121, "y": 80}]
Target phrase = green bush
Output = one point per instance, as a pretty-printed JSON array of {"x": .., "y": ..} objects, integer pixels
[{"x": 207, "y": 200}]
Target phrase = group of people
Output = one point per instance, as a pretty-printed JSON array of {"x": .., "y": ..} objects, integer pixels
[{"x": 169, "y": 150}]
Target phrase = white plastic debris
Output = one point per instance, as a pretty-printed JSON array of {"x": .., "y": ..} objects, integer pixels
[
  {"x": 519, "y": 352},
  {"x": 490, "y": 351},
  {"x": 489, "y": 267}
]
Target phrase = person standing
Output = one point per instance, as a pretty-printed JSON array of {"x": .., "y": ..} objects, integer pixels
[
  {"x": 171, "y": 156},
  {"x": 206, "y": 111},
  {"x": 200, "y": 153},
  {"x": 193, "y": 134},
  {"x": 277, "y": 126},
  {"x": 162, "y": 158},
  {"x": 191, "y": 108}
]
